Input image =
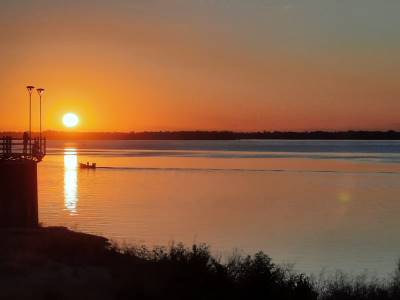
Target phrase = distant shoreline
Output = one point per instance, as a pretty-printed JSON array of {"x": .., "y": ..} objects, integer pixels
[{"x": 218, "y": 135}]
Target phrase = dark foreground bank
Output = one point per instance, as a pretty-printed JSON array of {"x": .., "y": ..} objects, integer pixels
[{"x": 56, "y": 263}]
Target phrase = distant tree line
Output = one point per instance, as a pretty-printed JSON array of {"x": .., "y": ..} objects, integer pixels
[{"x": 219, "y": 135}]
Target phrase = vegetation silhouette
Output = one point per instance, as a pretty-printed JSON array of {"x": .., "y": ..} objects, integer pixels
[{"x": 56, "y": 263}]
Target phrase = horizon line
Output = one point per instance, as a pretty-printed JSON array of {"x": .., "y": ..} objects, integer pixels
[{"x": 208, "y": 131}]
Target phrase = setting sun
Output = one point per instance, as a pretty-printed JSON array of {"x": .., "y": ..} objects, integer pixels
[{"x": 70, "y": 120}]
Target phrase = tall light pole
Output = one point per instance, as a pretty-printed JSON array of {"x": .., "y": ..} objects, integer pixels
[
  {"x": 30, "y": 89},
  {"x": 40, "y": 92}
]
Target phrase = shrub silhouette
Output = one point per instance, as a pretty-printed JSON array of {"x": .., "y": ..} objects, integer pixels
[{"x": 56, "y": 263}]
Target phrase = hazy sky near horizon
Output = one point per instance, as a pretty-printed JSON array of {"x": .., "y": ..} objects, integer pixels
[{"x": 183, "y": 65}]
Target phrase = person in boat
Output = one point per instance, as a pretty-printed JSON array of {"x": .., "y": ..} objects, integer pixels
[{"x": 88, "y": 165}]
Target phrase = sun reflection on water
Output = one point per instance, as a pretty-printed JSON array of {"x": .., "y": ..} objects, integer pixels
[{"x": 70, "y": 180}]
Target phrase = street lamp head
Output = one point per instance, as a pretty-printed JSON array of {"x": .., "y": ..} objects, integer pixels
[
  {"x": 40, "y": 91},
  {"x": 30, "y": 89}
]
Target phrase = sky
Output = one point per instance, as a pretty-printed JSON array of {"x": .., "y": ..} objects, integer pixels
[{"x": 202, "y": 65}]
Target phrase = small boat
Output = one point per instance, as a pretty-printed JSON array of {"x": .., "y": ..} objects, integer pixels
[{"x": 87, "y": 165}]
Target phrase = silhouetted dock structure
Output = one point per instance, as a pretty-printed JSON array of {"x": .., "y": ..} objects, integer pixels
[
  {"x": 18, "y": 173},
  {"x": 18, "y": 180},
  {"x": 15, "y": 149}
]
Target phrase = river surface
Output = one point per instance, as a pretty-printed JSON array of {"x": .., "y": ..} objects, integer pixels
[{"x": 320, "y": 205}]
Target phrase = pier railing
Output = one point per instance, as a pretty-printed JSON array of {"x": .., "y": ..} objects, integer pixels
[{"x": 14, "y": 148}]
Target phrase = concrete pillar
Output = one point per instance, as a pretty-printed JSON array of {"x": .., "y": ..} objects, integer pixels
[{"x": 18, "y": 193}]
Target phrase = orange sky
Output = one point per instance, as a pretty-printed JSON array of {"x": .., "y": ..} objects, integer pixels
[{"x": 184, "y": 65}]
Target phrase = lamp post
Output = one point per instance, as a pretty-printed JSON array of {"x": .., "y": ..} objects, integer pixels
[
  {"x": 30, "y": 89},
  {"x": 40, "y": 92}
]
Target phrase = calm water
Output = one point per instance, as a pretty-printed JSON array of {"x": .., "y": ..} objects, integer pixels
[{"x": 318, "y": 204}]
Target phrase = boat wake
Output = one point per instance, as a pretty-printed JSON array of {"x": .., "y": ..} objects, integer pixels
[{"x": 242, "y": 170}]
